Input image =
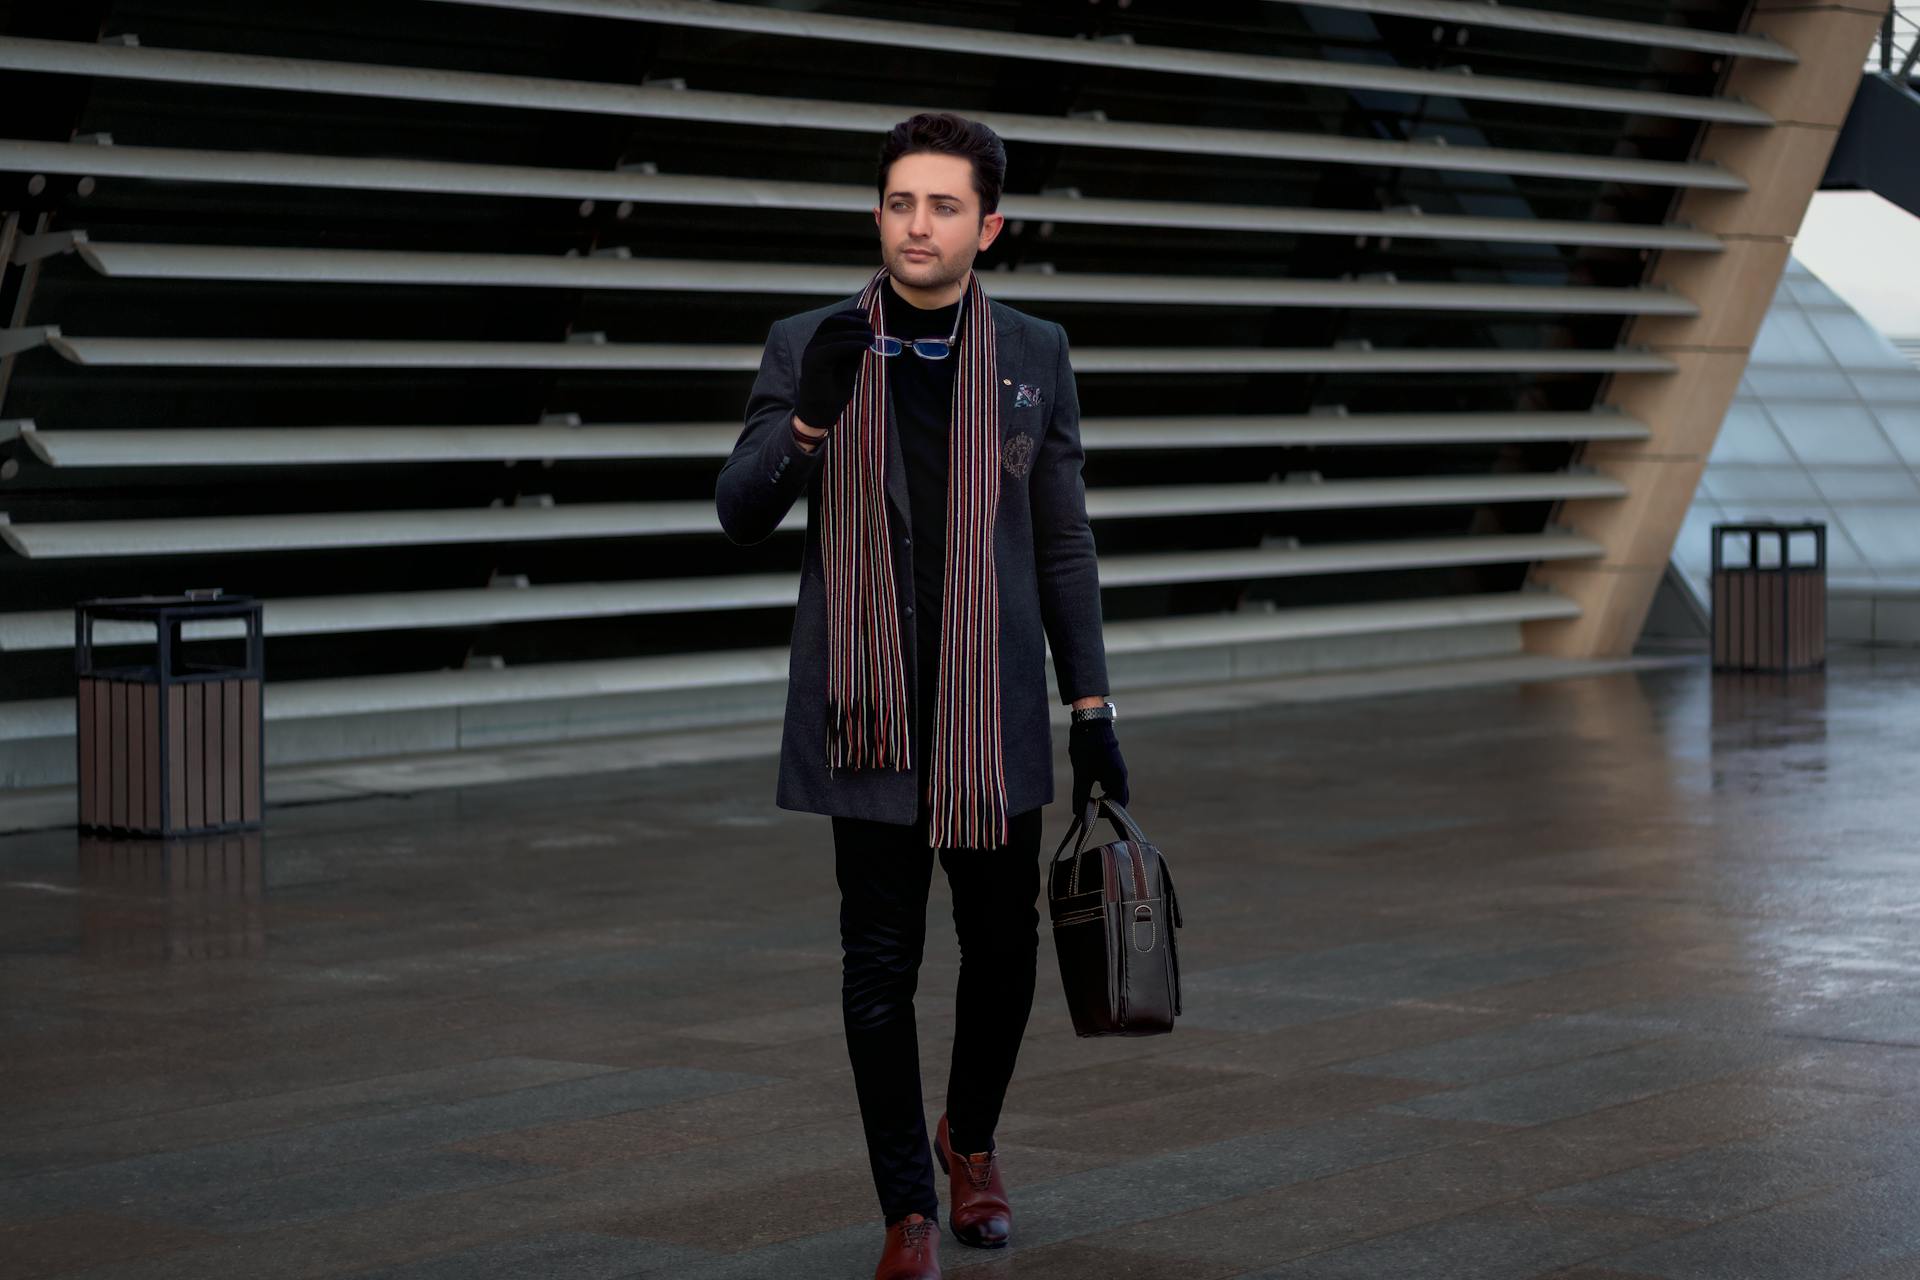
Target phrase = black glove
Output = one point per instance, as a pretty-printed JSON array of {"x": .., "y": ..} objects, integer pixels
[
  {"x": 829, "y": 367},
  {"x": 1095, "y": 753}
]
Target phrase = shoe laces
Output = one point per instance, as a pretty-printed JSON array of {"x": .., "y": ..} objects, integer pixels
[
  {"x": 914, "y": 1234},
  {"x": 979, "y": 1168}
]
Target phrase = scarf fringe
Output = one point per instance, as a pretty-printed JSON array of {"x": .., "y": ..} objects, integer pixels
[{"x": 863, "y": 736}]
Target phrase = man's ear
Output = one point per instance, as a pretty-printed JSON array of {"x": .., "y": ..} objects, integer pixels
[{"x": 990, "y": 229}]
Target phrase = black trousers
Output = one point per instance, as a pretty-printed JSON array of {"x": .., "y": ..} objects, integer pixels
[{"x": 885, "y": 870}]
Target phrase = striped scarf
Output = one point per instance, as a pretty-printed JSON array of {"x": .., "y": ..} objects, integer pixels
[{"x": 867, "y": 720}]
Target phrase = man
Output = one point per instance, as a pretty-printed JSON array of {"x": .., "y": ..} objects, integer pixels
[{"x": 936, "y": 436}]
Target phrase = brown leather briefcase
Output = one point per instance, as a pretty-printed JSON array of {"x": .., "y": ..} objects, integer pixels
[{"x": 1114, "y": 916}]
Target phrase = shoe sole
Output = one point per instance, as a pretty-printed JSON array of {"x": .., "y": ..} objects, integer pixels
[{"x": 946, "y": 1163}]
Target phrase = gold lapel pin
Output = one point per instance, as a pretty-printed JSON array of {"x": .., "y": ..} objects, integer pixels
[{"x": 1006, "y": 382}]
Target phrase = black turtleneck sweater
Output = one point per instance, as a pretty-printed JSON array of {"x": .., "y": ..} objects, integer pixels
[{"x": 922, "y": 393}]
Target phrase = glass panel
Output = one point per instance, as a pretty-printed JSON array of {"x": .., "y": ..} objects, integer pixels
[
  {"x": 1757, "y": 484},
  {"x": 1782, "y": 383},
  {"x": 1889, "y": 388},
  {"x": 1747, "y": 435},
  {"x": 1889, "y": 536},
  {"x": 1806, "y": 288},
  {"x": 1867, "y": 484},
  {"x": 1855, "y": 343},
  {"x": 1903, "y": 428},
  {"x": 1787, "y": 338},
  {"x": 1831, "y": 433}
]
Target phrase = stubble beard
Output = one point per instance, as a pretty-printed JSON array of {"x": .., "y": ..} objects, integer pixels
[{"x": 940, "y": 272}]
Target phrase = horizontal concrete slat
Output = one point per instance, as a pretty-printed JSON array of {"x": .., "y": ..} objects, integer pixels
[
  {"x": 360, "y": 695},
  {"x": 391, "y": 611},
  {"x": 70, "y": 539},
  {"x": 655, "y": 102},
  {"x": 367, "y": 353},
  {"x": 1488, "y": 13},
  {"x": 390, "y": 267},
  {"x": 1170, "y": 500},
  {"x": 181, "y": 164},
  {"x": 1028, "y": 46},
  {"x": 1165, "y": 634},
  {"x": 159, "y": 446},
  {"x": 1251, "y": 563},
  {"x": 1336, "y": 430}
]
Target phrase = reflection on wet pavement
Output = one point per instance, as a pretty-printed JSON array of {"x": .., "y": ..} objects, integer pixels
[{"x": 1604, "y": 979}]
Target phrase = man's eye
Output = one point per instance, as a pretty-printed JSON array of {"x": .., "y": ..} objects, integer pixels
[{"x": 947, "y": 208}]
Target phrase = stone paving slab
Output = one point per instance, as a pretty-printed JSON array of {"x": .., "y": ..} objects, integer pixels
[{"x": 1606, "y": 979}]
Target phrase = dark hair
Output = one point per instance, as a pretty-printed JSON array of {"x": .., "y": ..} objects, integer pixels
[{"x": 945, "y": 133}]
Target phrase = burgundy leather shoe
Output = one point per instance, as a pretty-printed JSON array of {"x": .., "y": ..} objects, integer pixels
[
  {"x": 912, "y": 1251},
  {"x": 977, "y": 1205}
]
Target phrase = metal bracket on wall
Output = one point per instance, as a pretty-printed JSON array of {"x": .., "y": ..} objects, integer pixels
[
  {"x": 45, "y": 244},
  {"x": 26, "y": 338}
]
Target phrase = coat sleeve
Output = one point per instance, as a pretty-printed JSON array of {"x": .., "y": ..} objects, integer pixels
[
  {"x": 1065, "y": 562},
  {"x": 767, "y": 471}
]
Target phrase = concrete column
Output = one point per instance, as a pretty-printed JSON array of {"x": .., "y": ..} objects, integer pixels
[{"x": 1782, "y": 166}]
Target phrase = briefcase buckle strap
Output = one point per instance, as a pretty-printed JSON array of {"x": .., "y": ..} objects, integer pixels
[{"x": 1143, "y": 927}]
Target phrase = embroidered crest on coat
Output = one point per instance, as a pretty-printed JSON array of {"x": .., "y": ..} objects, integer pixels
[{"x": 1016, "y": 455}]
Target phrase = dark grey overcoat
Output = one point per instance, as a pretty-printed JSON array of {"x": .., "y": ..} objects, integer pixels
[{"x": 1043, "y": 554}]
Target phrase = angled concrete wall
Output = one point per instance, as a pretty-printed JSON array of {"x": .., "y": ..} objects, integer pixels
[{"x": 1782, "y": 166}]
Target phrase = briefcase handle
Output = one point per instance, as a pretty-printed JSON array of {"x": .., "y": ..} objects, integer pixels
[{"x": 1083, "y": 824}]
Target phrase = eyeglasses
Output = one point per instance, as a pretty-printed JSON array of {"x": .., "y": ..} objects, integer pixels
[{"x": 925, "y": 348}]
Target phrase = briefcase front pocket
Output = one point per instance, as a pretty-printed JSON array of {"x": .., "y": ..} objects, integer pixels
[{"x": 1086, "y": 943}]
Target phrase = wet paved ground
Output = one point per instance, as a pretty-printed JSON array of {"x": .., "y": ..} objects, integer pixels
[{"x": 1605, "y": 979}]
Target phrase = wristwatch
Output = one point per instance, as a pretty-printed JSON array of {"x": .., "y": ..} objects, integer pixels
[{"x": 1105, "y": 711}]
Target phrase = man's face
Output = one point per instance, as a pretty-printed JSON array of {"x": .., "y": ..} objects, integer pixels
[{"x": 930, "y": 223}]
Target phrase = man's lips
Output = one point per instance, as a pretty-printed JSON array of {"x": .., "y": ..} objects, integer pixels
[{"x": 916, "y": 253}]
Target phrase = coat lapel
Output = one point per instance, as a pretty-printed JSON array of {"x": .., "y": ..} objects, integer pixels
[
  {"x": 1010, "y": 350},
  {"x": 896, "y": 467}
]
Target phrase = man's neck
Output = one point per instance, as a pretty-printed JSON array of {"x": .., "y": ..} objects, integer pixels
[{"x": 931, "y": 299}]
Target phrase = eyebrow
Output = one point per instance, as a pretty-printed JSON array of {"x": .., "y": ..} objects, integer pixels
[{"x": 935, "y": 196}]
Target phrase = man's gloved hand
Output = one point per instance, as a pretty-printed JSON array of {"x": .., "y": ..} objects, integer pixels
[
  {"x": 829, "y": 367},
  {"x": 1095, "y": 753}
]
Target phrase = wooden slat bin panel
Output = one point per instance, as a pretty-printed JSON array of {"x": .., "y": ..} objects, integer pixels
[{"x": 170, "y": 745}]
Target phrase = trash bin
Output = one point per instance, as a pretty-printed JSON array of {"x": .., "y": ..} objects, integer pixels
[
  {"x": 1769, "y": 610},
  {"x": 171, "y": 745}
]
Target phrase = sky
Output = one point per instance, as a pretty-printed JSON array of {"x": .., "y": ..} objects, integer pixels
[{"x": 1867, "y": 251}]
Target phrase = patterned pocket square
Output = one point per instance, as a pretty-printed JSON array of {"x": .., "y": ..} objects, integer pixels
[{"x": 1026, "y": 397}]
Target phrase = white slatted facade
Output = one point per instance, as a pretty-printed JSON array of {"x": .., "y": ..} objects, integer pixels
[{"x": 429, "y": 321}]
